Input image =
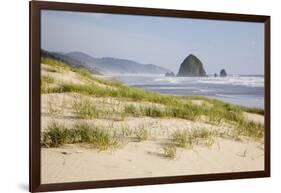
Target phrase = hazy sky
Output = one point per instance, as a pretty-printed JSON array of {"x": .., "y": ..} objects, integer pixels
[{"x": 235, "y": 46}]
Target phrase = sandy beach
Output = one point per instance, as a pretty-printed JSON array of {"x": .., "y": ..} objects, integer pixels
[{"x": 74, "y": 163}]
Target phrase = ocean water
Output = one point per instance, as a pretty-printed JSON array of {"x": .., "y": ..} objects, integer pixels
[{"x": 237, "y": 89}]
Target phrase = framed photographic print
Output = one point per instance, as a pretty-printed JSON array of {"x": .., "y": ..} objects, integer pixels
[{"x": 123, "y": 96}]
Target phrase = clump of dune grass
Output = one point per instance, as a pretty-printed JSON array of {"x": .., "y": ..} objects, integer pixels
[
  {"x": 131, "y": 110},
  {"x": 57, "y": 135},
  {"x": 203, "y": 136},
  {"x": 98, "y": 137},
  {"x": 126, "y": 131},
  {"x": 182, "y": 139},
  {"x": 85, "y": 109},
  {"x": 142, "y": 134},
  {"x": 169, "y": 151},
  {"x": 153, "y": 111},
  {"x": 48, "y": 79},
  {"x": 87, "y": 89},
  {"x": 189, "y": 112},
  {"x": 250, "y": 129},
  {"x": 44, "y": 87},
  {"x": 122, "y": 116},
  {"x": 84, "y": 73},
  {"x": 187, "y": 139},
  {"x": 253, "y": 110},
  {"x": 58, "y": 65}
]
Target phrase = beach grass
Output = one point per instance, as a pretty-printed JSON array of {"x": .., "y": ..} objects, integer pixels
[
  {"x": 131, "y": 110},
  {"x": 57, "y": 135},
  {"x": 153, "y": 111},
  {"x": 197, "y": 136},
  {"x": 126, "y": 131},
  {"x": 217, "y": 112},
  {"x": 175, "y": 106},
  {"x": 53, "y": 110},
  {"x": 253, "y": 110},
  {"x": 44, "y": 87},
  {"x": 169, "y": 151},
  {"x": 142, "y": 134},
  {"x": 85, "y": 109},
  {"x": 182, "y": 139},
  {"x": 58, "y": 65},
  {"x": 220, "y": 112},
  {"x": 203, "y": 136},
  {"x": 250, "y": 129},
  {"x": 48, "y": 79},
  {"x": 99, "y": 138}
]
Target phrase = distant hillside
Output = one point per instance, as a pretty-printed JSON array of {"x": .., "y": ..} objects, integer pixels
[
  {"x": 70, "y": 60},
  {"x": 109, "y": 65}
]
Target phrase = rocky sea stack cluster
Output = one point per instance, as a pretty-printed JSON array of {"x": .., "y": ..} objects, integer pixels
[
  {"x": 193, "y": 67},
  {"x": 170, "y": 74}
]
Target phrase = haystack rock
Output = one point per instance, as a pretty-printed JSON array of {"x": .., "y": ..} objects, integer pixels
[
  {"x": 223, "y": 73},
  {"x": 191, "y": 66}
]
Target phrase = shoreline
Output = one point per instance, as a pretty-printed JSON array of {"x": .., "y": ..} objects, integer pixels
[{"x": 176, "y": 86}]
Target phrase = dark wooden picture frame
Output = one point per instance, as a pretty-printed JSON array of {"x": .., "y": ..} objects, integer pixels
[{"x": 34, "y": 100}]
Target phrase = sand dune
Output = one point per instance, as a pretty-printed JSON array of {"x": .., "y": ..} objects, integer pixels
[{"x": 137, "y": 159}]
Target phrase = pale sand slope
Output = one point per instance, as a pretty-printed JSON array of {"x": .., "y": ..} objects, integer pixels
[
  {"x": 145, "y": 159},
  {"x": 73, "y": 163}
]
